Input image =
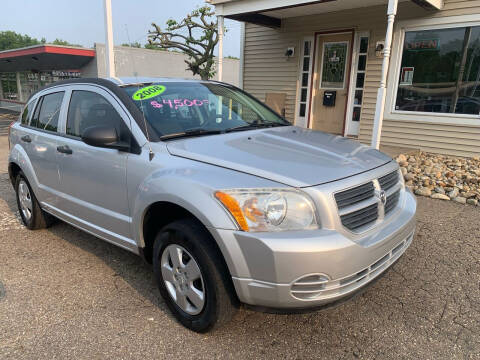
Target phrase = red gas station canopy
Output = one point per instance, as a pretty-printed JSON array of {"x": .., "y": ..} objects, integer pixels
[{"x": 44, "y": 58}]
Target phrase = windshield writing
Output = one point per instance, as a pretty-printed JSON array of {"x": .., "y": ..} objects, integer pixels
[{"x": 176, "y": 108}]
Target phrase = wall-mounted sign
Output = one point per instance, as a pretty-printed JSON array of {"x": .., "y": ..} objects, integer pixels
[
  {"x": 406, "y": 77},
  {"x": 69, "y": 73},
  {"x": 426, "y": 44}
]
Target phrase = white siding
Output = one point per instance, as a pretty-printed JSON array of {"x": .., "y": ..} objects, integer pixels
[{"x": 268, "y": 70}]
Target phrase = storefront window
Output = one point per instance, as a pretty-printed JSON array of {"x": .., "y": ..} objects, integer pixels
[
  {"x": 30, "y": 82},
  {"x": 8, "y": 82},
  {"x": 440, "y": 71}
]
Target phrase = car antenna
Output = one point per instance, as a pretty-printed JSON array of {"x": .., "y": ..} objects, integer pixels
[{"x": 151, "y": 154}]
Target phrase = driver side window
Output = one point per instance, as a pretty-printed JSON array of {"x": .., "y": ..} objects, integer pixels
[{"x": 89, "y": 109}]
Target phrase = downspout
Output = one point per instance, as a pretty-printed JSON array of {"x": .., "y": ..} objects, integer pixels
[
  {"x": 381, "y": 95},
  {"x": 220, "y": 47}
]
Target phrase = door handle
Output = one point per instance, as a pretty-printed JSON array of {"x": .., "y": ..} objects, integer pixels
[
  {"x": 26, "y": 139},
  {"x": 64, "y": 149}
]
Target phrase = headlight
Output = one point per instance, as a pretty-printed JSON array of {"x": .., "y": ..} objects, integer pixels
[{"x": 269, "y": 209}]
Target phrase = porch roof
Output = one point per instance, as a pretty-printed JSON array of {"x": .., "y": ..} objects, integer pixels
[{"x": 271, "y": 12}]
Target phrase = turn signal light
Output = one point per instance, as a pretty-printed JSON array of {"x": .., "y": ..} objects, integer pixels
[{"x": 234, "y": 208}]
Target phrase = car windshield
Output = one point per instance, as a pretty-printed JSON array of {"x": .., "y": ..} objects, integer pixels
[{"x": 179, "y": 109}]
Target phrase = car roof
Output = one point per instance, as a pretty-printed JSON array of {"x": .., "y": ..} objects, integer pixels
[
  {"x": 118, "y": 82},
  {"x": 125, "y": 81}
]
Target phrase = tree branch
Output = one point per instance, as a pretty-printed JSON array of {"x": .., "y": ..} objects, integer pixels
[{"x": 199, "y": 48}]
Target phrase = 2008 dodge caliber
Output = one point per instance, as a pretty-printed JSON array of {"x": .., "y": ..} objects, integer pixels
[{"x": 228, "y": 201}]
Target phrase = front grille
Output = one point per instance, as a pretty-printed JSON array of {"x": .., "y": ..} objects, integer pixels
[
  {"x": 389, "y": 181},
  {"x": 318, "y": 287},
  {"x": 392, "y": 202},
  {"x": 358, "y": 207},
  {"x": 355, "y": 195},
  {"x": 360, "y": 218}
]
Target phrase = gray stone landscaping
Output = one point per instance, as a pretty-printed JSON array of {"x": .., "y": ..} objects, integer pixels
[{"x": 442, "y": 177}]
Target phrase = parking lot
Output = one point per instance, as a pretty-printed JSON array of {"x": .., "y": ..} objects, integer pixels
[{"x": 69, "y": 295}]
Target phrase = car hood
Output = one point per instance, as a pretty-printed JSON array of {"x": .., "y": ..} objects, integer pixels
[{"x": 290, "y": 155}]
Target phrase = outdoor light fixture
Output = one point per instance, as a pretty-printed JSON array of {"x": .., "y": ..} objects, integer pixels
[{"x": 290, "y": 52}]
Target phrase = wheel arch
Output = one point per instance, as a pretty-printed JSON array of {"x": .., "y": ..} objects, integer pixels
[
  {"x": 13, "y": 170},
  {"x": 18, "y": 160},
  {"x": 161, "y": 213}
]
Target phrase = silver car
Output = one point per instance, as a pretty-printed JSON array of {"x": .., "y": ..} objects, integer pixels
[{"x": 227, "y": 201}]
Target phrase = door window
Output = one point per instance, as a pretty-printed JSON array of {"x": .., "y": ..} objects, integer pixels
[
  {"x": 89, "y": 109},
  {"x": 47, "y": 112},
  {"x": 27, "y": 113},
  {"x": 334, "y": 65}
]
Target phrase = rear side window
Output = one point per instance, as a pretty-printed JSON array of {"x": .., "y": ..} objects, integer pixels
[
  {"x": 47, "y": 112},
  {"x": 27, "y": 113},
  {"x": 89, "y": 109}
]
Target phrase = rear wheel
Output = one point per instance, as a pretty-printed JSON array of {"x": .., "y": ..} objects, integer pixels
[
  {"x": 191, "y": 276},
  {"x": 33, "y": 217}
]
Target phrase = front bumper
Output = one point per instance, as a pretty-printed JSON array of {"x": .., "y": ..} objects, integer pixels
[{"x": 303, "y": 269}]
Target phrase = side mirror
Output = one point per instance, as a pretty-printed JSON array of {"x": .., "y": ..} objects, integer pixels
[{"x": 104, "y": 137}]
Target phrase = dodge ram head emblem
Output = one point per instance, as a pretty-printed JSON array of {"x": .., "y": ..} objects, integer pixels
[{"x": 382, "y": 196}]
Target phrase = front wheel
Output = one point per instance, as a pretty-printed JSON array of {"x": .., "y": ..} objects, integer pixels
[{"x": 191, "y": 276}]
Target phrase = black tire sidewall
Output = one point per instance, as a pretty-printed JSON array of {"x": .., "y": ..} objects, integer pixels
[
  {"x": 180, "y": 233},
  {"x": 27, "y": 223}
]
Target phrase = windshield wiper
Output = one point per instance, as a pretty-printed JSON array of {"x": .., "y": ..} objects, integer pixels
[
  {"x": 255, "y": 126},
  {"x": 190, "y": 133}
]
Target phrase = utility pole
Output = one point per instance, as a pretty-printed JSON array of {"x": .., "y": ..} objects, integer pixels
[
  {"x": 220, "y": 47},
  {"x": 109, "y": 55}
]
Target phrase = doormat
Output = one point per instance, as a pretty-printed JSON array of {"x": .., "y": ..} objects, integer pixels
[{"x": 2, "y": 291}]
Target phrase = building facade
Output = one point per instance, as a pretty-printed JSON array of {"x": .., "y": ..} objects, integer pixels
[
  {"x": 24, "y": 71},
  {"x": 323, "y": 61}
]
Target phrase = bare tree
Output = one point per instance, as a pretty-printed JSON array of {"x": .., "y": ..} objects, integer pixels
[{"x": 195, "y": 36}]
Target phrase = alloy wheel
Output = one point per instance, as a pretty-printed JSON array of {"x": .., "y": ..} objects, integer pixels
[
  {"x": 183, "y": 279},
  {"x": 25, "y": 200}
]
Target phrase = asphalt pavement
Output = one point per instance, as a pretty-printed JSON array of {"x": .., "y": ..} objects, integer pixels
[{"x": 68, "y": 295}]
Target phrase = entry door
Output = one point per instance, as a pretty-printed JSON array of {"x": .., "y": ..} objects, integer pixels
[{"x": 331, "y": 83}]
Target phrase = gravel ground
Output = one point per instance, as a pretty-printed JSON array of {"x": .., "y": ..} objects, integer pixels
[
  {"x": 69, "y": 295},
  {"x": 6, "y": 118}
]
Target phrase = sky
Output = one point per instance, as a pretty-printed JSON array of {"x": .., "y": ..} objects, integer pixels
[{"x": 82, "y": 22}]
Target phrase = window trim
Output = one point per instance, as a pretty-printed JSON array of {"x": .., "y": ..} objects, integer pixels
[
  {"x": 62, "y": 104},
  {"x": 37, "y": 97},
  {"x": 395, "y": 68}
]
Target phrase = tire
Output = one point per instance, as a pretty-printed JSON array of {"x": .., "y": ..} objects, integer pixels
[
  {"x": 35, "y": 218},
  {"x": 189, "y": 239}
]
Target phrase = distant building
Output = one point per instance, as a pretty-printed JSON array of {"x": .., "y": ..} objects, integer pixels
[{"x": 23, "y": 71}]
